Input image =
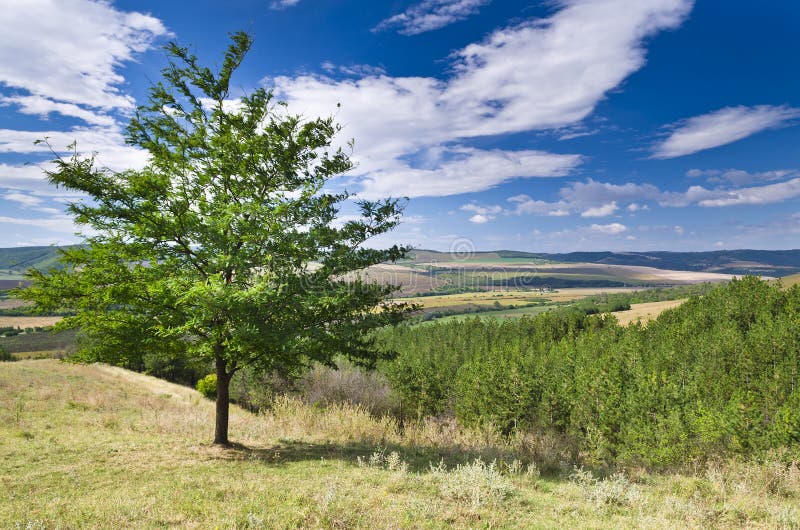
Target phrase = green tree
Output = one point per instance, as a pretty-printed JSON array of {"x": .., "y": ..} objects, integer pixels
[{"x": 226, "y": 245}]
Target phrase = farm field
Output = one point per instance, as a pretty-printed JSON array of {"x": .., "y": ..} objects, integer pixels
[
  {"x": 28, "y": 321},
  {"x": 789, "y": 281},
  {"x": 504, "y": 274},
  {"x": 508, "y": 297},
  {"x": 645, "y": 312},
  {"x": 100, "y": 447}
]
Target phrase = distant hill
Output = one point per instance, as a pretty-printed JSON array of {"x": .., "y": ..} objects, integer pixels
[
  {"x": 739, "y": 262},
  {"x": 23, "y": 258},
  {"x": 15, "y": 261}
]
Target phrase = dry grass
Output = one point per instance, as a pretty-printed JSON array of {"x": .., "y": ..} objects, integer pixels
[
  {"x": 511, "y": 297},
  {"x": 13, "y": 303},
  {"x": 646, "y": 311},
  {"x": 789, "y": 281},
  {"x": 28, "y": 322},
  {"x": 100, "y": 447}
]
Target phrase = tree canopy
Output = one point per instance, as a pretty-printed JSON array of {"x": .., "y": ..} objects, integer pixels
[{"x": 227, "y": 246}]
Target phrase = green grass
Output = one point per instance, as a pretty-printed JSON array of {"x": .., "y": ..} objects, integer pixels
[{"x": 98, "y": 447}]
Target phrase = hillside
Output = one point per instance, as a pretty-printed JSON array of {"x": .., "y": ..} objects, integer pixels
[
  {"x": 101, "y": 447},
  {"x": 15, "y": 261},
  {"x": 738, "y": 262}
]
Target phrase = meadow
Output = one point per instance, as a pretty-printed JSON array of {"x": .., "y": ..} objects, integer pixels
[{"x": 93, "y": 446}]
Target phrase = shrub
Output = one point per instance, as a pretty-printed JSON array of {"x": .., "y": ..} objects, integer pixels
[
  {"x": 349, "y": 384},
  {"x": 208, "y": 386},
  {"x": 5, "y": 355},
  {"x": 498, "y": 389},
  {"x": 475, "y": 484}
]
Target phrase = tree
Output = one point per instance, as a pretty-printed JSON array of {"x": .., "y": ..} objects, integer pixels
[{"x": 226, "y": 245}]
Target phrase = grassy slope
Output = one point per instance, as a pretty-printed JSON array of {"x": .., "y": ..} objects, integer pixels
[
  {"x": 789, "y": 281},
  {"x": 99, "y": 447}
]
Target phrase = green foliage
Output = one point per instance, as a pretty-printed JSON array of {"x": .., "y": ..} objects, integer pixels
[
  {"x": 208, "y": 386},
  {"x": 716, "y": 376},
  {"x": 225, "y": 247},
  {"x": 5, "y": 355},
  {"x": 497, "y": 388}
]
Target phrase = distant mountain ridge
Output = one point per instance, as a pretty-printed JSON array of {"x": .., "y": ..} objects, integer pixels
[{"x": 739, "y": 262}]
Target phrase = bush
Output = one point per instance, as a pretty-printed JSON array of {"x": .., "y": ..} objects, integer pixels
[
  {"x": 208, "y": 386},
  {"x": 349, "y": 384},
  {"x": 5, "y": 355},
  {"x": 497, "y": 389}
]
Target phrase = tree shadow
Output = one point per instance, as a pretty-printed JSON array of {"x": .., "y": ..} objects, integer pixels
[{"x": 418, "y": 459}]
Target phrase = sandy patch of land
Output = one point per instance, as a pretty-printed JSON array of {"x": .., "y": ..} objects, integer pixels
[
  {"x": 646, "y": 311},
  {"x": 27, "y": 322}
]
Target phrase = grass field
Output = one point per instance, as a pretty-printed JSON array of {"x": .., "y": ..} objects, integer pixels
[
  {"x": 789, "y": 281},
  {"x": 646, "y": 311},
  {"x": 510, "y": 297},
  {"x": 28, "y": 322},
  {"x": 100, "y": 447}
]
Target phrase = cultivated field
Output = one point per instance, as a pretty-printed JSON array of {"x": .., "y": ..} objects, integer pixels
[
  {"x": 501, "y": 274},
  {"x": 100, "y": 447},
  {"x": 511, "y": 297},
  {"x": 645, "y": 312},
  {"x": 28, "y": 322}
]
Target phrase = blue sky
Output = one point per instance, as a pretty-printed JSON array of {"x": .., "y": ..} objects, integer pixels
[{"x": 545, "y": 126}]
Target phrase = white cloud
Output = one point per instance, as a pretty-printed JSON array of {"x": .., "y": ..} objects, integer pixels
[
  {"x": 283, "y": 4},
  {"x": 601, "y": 211},
  {"x": 68, "y": 51},
  {"x": 768, "y": 194},
  {"x": 598, "y": 199},
  {"x": 43, "y": 107},
  {"x": 429, "y": 15},
  {"x": 679, "y": 230},
  {"x": 480, "y": 218},
  {"x": 464, "y": 170},
  {"x": 609, "y": 229},
  {"x": 64, "y": 56},
  {"x": 572, "y": 58},
  {"x": 56, "y": 223},
  {"x": 483, "y": 214},
  {"x": 22, "y": 198},
  {"x": 740, "y": 177},
  {"x": 721, "y": 127}
]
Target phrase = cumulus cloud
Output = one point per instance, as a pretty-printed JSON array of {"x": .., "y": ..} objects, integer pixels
[
  {"x": 601, "y": 211},
  {"x": 611, "y": 229},
  {"x": 64, "y": 57},
  {"x": 65, "y": 53},
  {"x": 573, "y": 58},
  {"x": 721, "y": 127},
  {"x": 483, "y": 214},
  {"x": 429, "y": 15}
]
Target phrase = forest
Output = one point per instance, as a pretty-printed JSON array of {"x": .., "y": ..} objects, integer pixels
[{"x": 715, "y": 376}]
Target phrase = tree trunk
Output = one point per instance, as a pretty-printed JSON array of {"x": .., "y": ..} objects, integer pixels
[{"x": 223, "y": 402}]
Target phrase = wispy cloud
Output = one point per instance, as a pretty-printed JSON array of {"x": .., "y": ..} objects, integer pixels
[
  {"x": 573, "y": 58},
  {"x": 283, "y": 4},
  {"x": 721, "y": 127},
  {"x": 598, "y": 199},
  {"x": 429, "y": 15}
]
